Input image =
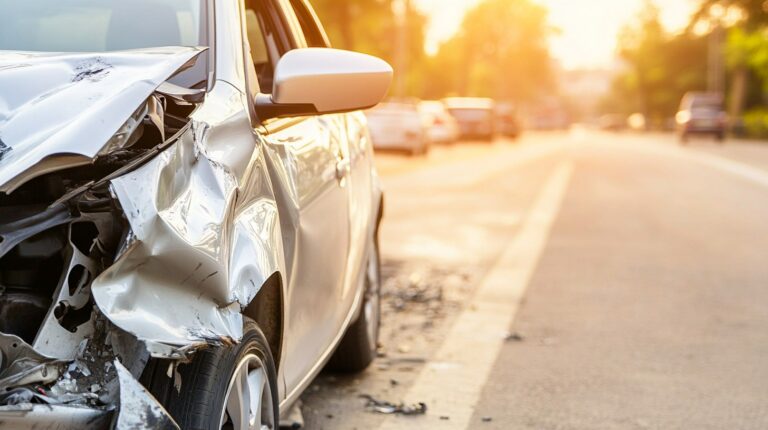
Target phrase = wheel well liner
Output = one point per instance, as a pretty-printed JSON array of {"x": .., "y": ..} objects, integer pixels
[{"x": 267, "y": 309}]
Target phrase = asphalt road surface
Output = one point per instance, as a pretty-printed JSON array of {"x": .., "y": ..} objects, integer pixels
[{"x": 568, "y": 281}]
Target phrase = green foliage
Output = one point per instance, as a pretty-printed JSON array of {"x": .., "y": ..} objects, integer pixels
[
  {"x": 501, "y": 51},
  {"x": 370, "y": 26},
  {"x": 660, "y": 69},
  {"x": 756, "y": 123},
  {"x": 755, "y": 11},
  {"x": 356, "y": 24},
  {"x": 750, "y": 49}
]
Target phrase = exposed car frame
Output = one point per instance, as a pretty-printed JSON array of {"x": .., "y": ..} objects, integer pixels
[{"x": 239, "y": 218}]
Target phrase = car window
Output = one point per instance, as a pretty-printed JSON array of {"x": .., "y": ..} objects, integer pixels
[
  {"x": 314, "y": 34},
  {"x": 264, "y": 42},
  {"x": 471, "y": 114},
  {"x": 259, "y": 50},
  {"x": 291, "y": 21},
  {"x": 273, "y": 27},
  {"x": 705, "y": 103},
  {"x": 100, "y": 25}
]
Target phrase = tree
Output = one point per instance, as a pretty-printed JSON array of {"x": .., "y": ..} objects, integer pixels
[
  {"x": 749, "y": 48},
  {"x": 639, "y": 47},
  {"x": 755, "y": 11},
  {"x": 353, "y": 24},
  {"x": 660, "y": 68},
  {"x": 746, "y": 48},
  {"x": 370, "y": 26},
  {"x": 500, "y": 51}
]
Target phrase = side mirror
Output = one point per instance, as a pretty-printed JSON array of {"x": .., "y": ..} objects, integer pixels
[{"x": 311, "y": 81}]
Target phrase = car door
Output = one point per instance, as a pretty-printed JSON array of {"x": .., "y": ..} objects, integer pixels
[
  {"x": 362, "y": 202},
  {"x": 308, "y": 163},
  {"x": 356, "y": 165}
]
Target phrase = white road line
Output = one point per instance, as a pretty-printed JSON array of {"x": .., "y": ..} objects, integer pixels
[
  {"x": 742, "y": 170},
  {"x": 745, "y": 171},
  {"x": 452, "y": 382}
]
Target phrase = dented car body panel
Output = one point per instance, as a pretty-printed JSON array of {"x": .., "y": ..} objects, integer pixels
[
  {"x": 195, "y": 247},
  {"x": 73, "y": 104},
  {"x": 161, "y": 213}
]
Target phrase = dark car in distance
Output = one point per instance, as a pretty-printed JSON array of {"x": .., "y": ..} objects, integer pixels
[{"x": 701, "y": 114}]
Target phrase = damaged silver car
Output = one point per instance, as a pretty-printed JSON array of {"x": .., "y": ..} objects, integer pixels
[{"x": 188, "y": 211}]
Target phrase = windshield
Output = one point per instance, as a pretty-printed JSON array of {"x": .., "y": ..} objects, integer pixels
[
  {"x": 471, "y": 114},
  {"x": 706, "y": 103},
  {"x": 100, "y": 25}
]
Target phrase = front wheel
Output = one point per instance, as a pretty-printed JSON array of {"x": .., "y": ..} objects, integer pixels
[
  {"x": 227, "y": 387},
  {"x": 358, "y": 347}
]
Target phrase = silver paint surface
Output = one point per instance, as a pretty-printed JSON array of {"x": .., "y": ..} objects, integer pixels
[
  {"x": 72, "y": 104},
  {"x": 215, "y": 214},
  {"x": 138, "y": 409}
]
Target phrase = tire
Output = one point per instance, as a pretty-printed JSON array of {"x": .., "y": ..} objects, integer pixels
[
  {"x": 202, "y": 399},
  {"x": 720, "y": 137},
  {"x": 422, "y": 149},
  {"x": 358, "y": 347}
]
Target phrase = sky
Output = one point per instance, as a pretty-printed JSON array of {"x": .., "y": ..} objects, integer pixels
[{"x": 588, "y": 28}]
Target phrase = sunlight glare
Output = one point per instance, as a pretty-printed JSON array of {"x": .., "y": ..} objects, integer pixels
[{"x": 587, "y": 28}]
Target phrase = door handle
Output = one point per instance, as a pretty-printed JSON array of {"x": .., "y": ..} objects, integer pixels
[{"x": 343, "y": 168}]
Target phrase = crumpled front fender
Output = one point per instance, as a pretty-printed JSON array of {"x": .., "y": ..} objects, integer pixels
[{"x": 200, "y": 249}]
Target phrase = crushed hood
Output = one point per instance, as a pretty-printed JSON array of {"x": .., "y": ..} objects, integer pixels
[{"x": 70, "y": 105}]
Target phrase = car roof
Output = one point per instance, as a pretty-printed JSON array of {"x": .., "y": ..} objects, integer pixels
[
  {"x": 468, "y": 103},
  {"x": 394, "y": 106},
  {"x": 703, "y": 96}
]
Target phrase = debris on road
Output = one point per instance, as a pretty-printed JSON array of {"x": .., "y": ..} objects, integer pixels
[
  {"x": 295, "y": 419},
  {"x": 402, "y": 364},
  {"x": 404, "y": 360},
  {"x": 487, "y": 419},
  {"x": 388, "y": 408},
  {"x": 514, "y": 337},
  {"x": 415, "y": 288},
  {"x": 417, "y": 300}
]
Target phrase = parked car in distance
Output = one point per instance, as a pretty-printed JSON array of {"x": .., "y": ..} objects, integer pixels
[
  {"x": 701, "y": 114},
  {"x": 186, "y": 239},
  {"x": 507, "y": 121},
  {"x": 549, "y": 115},
  {"x": 612, "y": 122},
  {"x": 475, "y": 116},
  {"x": 441, "y": 127},
  {"x": 398, "y": 125}
]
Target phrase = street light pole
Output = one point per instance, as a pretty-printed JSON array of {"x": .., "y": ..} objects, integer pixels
[
  {"x": 716, "y": 60},
  {"x": 401, "y": 9},
  {"x": 716, "y": 66}
]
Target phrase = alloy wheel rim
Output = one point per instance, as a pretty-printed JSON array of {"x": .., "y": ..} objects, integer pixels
[{"x": 248, "y": 404}]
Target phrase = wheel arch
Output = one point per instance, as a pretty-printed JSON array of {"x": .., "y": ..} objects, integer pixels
[{"x": 267, "y": 309}]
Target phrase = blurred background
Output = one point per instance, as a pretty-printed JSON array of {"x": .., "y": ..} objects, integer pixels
[
  {"x": 552, "y": 63},
  {"x": 568, "y": 255}
]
